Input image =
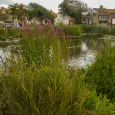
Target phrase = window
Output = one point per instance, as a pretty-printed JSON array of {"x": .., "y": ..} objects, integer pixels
[
  {"x": 94, "y": 13},
  {"x": 102, "y": 17}
]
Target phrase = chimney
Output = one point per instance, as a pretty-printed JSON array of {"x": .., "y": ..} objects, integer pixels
[{"x": 101, "y": 7}]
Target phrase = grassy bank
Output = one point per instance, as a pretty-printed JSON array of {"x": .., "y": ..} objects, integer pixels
[
  {"x": 10, "y": 34},
  {"x": 39, "y": 82},
  {"x": 94, "y": 29}
]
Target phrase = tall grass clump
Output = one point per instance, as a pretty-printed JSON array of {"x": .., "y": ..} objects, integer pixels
[
  {"x": 102, "y": 72},
  {"x": 14, "y": 32},
  {"x": 48, "y": 90},
  {"x": 2, "y": 31},
  {"x": 38, "y": 82},
  {"x": 43, "y": 45},
  {"x": 3, "y": 34},
  {"x": 94, "y": 29},
  {"x": 72, "y": 30},
  {"x": 112, "y": 30}
]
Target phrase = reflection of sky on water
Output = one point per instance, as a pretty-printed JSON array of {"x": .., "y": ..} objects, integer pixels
[
  {"x": 3, "y": 54},
  {"x": 85, "y": 58}
]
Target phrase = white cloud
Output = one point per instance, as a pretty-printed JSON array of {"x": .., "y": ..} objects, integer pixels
[{"x": 5, "y": 2}]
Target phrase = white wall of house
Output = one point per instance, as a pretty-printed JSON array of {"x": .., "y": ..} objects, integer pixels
[
  {"x": 113, "y": 21},
  {"x": 65, "y": 22},
  {"x": 16, "y": 22},
  {"x": 59, "y": 19},
  {"x": 2, "y": 22}
]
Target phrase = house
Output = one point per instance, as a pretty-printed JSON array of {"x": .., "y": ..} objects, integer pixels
[
  {"x": 66, "y": 20},
  {"x": 5, "y": 11},
  {"x": 88, "y": 19},
  {"x": 101, "y": 17},
  {"x": 15, "y": 21},
  {"x": 10, "y": 17},
  {"x": 72, "y": 21}
]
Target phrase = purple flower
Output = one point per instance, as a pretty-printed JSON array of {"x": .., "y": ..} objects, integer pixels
[
  {"x": 51, "y": 38},
  {"x": 67, "y": 36}
]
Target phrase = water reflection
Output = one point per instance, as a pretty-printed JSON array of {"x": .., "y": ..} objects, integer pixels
[
  {"x": 4, "y": 53},
  {"x": 84, "y": 51}
]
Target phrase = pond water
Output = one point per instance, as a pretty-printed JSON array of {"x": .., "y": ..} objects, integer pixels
[{"x": 82, "y": 50}]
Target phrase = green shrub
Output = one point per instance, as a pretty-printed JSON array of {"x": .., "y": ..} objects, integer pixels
[
  {"x": 2, "y": 31},
  {"x": 113, "y": 30},
  {"x": 94, "y": 29},
  {"x": 102, "y": 72},
  {"x": 72, "y": 30},
  {"x": 13, "y": 32}
]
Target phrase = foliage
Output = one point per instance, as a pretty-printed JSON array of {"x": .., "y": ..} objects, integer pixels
[
  {"x": 18, "y": 11},
  {"x": 38, "y": 11},
  {"x": 4, "y": 17},
  {"x": 2, "y": 31},
  {"x": 70, "y": 30},
  {"x": 39, "y": 82},
  {"x": 9, "y": 35},
  {"x": 102, "y": 72},
  {"x": 94, "y": 29},
  {"x": 113, "y": 30},
  {"x": 73, "y": 8},
  {"x": 48, "y": 88},
  {"x": 42, "y": 36},
  {"x": 13, "y": 32}
]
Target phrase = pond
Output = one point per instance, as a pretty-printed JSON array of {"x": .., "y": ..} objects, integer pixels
[{"x": 82, "y": 50}]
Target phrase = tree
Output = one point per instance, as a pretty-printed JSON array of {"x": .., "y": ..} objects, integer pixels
[
  {"x": 18, "y": 11},
  {"x": 4, "y": 17},
  {"x": 38, "y": 11},
  {"x": 73, "y": 8}
]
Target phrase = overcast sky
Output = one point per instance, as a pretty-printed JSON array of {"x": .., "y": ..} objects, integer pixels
[{"x": 53, "y": 4}]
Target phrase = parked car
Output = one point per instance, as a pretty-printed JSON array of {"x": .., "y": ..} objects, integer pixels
[{"x": 7, "y": 26}]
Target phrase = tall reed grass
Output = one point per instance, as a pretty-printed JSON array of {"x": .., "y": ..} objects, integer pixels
[
  {"x": 94, "y": 29},
  {"x": 72, "y": 30},
  {"x": 112, "y": 30},
  {"x": 39, "y": 83}
]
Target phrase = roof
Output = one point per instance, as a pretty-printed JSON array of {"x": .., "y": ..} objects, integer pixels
[
  {"x": 88, "y": 17},
  {"x": 97, "y": 9},
  {"x": 53, "y": 13},
  {"x": 66, "y": 17},
  {"x": 110, "y": 11},
  {"x": 6, "y": 10}
]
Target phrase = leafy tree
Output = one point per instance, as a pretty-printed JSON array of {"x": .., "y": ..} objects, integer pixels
[
  {"x": 38, "y": 11},
  {"x": 4, "y": 17},
  {"x": 73, "y": 8},
  {"x": 18, "y": 11}
]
